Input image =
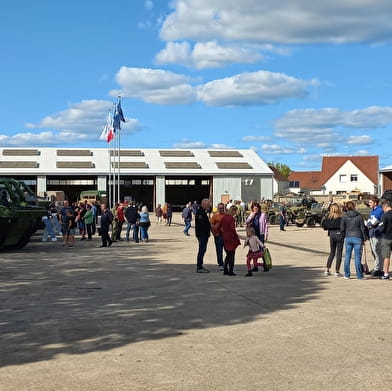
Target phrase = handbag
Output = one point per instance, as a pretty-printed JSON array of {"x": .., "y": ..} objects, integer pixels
[{"x": 364, "y": 265}]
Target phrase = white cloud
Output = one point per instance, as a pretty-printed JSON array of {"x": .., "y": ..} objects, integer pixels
[
  {"x": 185, "y": 143},
  {"x": 254, "y": 88},
  {"x": 363, "y": 152},
  {"x": 88, "y": 115},
  {"x": 360, "y": 140},
  {"x": 276, "y": 149},
  {"x": 46, "y": 138},
  {"x": 322, "y": 126},
  {"x": 189, "y": 144},
  {"x": 154, "y": 86},
  {"x": 286, "y": 21},
  {"x": 79, "y": 123},
  {"x": 206, "y": 54},
  {"x": 255, "y": 138},
  {"x": 163, "y": 87}
]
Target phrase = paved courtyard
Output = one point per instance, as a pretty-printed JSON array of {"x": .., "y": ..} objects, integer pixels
[{"x": 138, "y": 317}]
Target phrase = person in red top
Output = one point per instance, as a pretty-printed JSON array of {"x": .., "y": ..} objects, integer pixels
[
  {"x": 230, "y": 239},
  {"x": 120, "y": 220},
  {"x": 218, "y": 238}
]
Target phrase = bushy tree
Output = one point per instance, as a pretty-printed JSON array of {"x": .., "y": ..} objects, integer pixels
[{"x": 284, "y": 169}]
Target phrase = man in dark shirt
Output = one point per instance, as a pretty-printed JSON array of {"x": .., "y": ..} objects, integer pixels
[
  {"x": 386, "y": 236},
  {"x": 203, "y": 230},
  {"x": 133, "y": 217},
  {"x": 106, "y": 220}
]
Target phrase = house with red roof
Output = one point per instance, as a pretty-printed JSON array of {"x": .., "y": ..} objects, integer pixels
[{"x": 339, "y": 174}]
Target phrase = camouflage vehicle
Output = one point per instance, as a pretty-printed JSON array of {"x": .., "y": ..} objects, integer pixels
[
  {"x": 273, "y": 213},
  {"x": 293, "y": 213},
  {"x": 310, "y": 216},
  {"x": 18, "y": 220},
  {"x": 31, "y": 198}
]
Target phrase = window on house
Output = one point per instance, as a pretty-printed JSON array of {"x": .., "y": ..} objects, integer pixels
[
  {"x": 294, "y": 184},
  {"x": 353, "y": 178},
  {"x": 343, "y": 178}
]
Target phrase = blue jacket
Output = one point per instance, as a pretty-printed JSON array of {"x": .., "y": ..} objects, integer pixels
[{"x": 373, "y": 222}]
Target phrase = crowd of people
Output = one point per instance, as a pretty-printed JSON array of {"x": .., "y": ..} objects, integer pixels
[
  {"x": 349, "y": 229},
  {"x": 346, "y": 229}
]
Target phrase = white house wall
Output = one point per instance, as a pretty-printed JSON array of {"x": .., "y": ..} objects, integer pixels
[{"x": 363, "y": 183}]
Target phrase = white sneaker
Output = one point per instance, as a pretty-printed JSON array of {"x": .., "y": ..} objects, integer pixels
[
  {"x": 346, "y": 278},
  {"x": 54, "y": 239},
  {"x": 337, "y": 274},
  {"x": 327, "y": 273}
]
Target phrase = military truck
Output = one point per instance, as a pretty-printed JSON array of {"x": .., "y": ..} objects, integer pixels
[
  {"x": 18, "y": 219},
  {"x": 93, "y": 195},
  {"x": 310, "y": 216}
]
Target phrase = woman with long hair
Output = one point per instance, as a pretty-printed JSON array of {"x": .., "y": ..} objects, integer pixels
[
  {"x": 353, "y": 229},
  {"x": 258, "y": 220},
  {"x": 331, "y": 223}
]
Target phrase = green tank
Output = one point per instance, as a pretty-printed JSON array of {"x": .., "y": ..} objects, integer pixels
[{"x": 18, "y": 219}]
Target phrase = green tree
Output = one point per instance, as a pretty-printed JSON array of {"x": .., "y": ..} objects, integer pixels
[{"x": 284, "y": 169}]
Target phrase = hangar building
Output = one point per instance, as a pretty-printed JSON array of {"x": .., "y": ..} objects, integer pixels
[{"x": 150, "y": 176}]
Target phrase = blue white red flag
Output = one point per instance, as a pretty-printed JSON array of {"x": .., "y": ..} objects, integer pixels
[
  {"x": 118, "y": 116},
  {"x": 107, "y": 132}
]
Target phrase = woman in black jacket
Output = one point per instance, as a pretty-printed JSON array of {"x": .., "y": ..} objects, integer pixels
[
  {"x": 354, "y": 231},
  {"x": 331, "y": 223}
]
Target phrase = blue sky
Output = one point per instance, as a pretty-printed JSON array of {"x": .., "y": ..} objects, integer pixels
[{"x": 293, "y": 80}]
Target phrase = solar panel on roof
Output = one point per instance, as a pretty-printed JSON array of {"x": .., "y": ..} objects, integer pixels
[
  {"x": 225, "y": 154},
  {"x": 182, "y": 165},
  {"x": 234, "y": 165},
  {"x": 176, "y": 154}
]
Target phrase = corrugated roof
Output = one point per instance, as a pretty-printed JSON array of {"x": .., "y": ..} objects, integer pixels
[{"x": 141, "y": 161}]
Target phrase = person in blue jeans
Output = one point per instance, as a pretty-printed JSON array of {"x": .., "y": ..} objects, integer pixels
[
  {"x": 282, "y": 216},
  {"x": 144, "y": 224},
  {"x": 353, "y": 229},
  {"x": 187, "y": 217}
]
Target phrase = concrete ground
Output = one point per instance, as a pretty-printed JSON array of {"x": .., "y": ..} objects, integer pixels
[{"x": 138, "y": 317}]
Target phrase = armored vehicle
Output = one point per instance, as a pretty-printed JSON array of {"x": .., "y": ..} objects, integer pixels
[
  {"x": 18, "y": 220},
  {"x": 31, "y": 198},
  {"x": 311, "y": 216}
]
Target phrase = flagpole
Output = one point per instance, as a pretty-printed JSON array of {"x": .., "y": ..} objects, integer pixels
[
  {"x": 113, "y": 154},
  {"x": 118, "y": 158},
  {"x": 109, "y": 172}
]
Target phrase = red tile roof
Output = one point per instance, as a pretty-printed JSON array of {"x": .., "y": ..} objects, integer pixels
[
  {"x": 278, "y": 175},
  {"x": 307, "y": 179},
  {"x": 367, "y": 164}
]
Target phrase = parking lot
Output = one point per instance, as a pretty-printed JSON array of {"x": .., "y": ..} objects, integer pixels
[{"x": 136, "y": 316}]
